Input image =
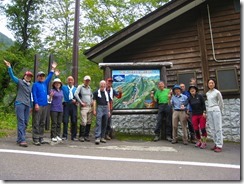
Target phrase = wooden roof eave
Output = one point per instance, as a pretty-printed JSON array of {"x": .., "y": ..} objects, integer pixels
[{"x": 126, "y": 36}]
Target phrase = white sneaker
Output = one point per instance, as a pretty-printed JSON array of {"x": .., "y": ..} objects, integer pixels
[
  {"x": 58, "y": 138},
  {"x": 54, "y": 139}
]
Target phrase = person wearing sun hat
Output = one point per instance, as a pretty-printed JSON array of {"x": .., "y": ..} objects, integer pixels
[
  {"x": 56, "y": 110},
  {"x": 180, "y": 106},
  {"x": 22, "y": 103},
  {"x": 197, "y": 104}
]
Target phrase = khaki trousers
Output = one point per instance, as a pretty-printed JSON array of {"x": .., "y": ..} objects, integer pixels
[{"x": 176, "y": 117}]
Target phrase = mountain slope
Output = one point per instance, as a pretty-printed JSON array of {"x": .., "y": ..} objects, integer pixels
[{"x": 5, "y": 41}]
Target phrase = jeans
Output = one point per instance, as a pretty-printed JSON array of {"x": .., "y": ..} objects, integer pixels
[
  {"x": 70, "y": 110},
  {"x": 164, "y": 111},
  {"x": 102, "y": 112},
  {"x": 22, "y": 112},
  {"x": 109, "y": 122}
]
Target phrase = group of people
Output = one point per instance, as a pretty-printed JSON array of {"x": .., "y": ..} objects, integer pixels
[
  {"x": 176, "y": 105},
  {"x": 64, "y": 100},
  {"x": 188, "y": 108}
]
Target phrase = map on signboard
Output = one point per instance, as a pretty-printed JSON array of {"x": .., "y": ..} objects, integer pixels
[{"x": 136, "y": 85}]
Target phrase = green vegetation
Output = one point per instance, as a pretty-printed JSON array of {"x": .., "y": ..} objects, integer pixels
[
  {"x": 7, "y": 124},
  {"x": 132, "y": 137}
]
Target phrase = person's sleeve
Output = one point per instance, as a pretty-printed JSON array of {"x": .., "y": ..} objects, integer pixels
[
  {"x": 94, "y": 96},
  {"x": 220, "y": 101},
  {"x": 49, "y": 77},
  {"x": 203, "y": 103},
  {"x": 187, "y": 103},
  {"x": 77, "y": 92},
  {"x": 34, "y": 95},
  {"x": 12, "y": 76}
]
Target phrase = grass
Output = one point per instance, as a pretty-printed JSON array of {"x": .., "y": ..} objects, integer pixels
[
  {"x": 132, "y": 137},
  {"x": 8, "y": 124}
]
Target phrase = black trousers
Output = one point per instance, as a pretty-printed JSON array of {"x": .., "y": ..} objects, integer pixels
[
  {"x": 69, "y": 111},
  {"x": 164, "y": 112}
]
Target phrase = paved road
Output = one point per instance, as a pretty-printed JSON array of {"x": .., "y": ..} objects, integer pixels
[{"x": 118, "y": 160}]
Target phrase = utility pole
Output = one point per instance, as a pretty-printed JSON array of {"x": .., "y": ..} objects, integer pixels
[{"x": 76, "y": 42}]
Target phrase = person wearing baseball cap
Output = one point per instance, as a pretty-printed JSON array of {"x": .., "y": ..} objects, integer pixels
[
  {"x": 84, "y": 96},
  {"x": 40, "y": 102},
  {"x": 87, "y": 77},
  {"x": 112, "y": 93},
  {"x": 22, "y": 103}
]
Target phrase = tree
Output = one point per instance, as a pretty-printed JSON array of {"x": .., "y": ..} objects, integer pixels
[
  {"x": 24, "y": 19},
  {"x": 102, "y": 18}
]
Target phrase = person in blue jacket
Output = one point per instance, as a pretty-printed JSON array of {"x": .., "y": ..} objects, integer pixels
[
  {"x": 22, "y": 103},
  {"x": 40, "y": 102}
]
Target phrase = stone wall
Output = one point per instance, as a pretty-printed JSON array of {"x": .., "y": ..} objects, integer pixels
[{"x": 145, "y": 123}]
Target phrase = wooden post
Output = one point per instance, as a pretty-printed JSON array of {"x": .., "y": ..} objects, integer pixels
[
  {"x": 76, "y": 42},
  {"x": 36, "y": 64},
  {"x": 47, "y": 123}
]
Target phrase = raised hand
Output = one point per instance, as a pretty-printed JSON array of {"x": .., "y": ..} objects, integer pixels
[
  {"x": 54, "y": 65},
  {"x": 57, "y": 72},
  {"x": 7, "y": 63}
]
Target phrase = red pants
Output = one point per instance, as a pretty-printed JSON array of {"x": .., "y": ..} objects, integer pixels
[{"x": 199, "y": 123}]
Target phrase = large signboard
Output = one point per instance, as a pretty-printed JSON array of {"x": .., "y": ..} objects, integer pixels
[{"x": 137, "y": 85}]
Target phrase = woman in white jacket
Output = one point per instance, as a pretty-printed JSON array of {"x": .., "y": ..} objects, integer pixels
[{"x": 214, "y": 114}]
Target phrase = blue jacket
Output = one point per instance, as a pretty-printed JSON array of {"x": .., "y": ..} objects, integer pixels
[{"x": 40, "y": 91}]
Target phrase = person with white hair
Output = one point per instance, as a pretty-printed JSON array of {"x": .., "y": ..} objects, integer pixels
[{"x": 101, "y": 109}]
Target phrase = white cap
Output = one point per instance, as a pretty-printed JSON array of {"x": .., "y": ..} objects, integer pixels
[{"x": 87, "y": 77}]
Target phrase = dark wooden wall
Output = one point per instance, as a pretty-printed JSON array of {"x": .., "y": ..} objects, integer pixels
[{"x": 185, "y": 41}]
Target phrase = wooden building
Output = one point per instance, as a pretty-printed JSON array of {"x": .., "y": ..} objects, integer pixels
[{"x": 200, "y": 37}]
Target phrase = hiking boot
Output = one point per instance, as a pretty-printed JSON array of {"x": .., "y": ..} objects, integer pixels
[
  {"x": 198, "y": 144},
  {"x": 23, "y": 144},
  {"x": 185, "y": 142},
  {"x": 103, "y": 140},
  {"x": 156, "y": 138},
  {"x": 41, "y": 140},
  {"x": 217, "y": 149},
  {"x": 82, "y": 139},
  {"x": 168, "y": 138},
  {"x": 87, "y": 139},
  {"x": 107, "y": 137},
  {"x": 97, "y": 141},
  {"x": 74, "y": 139},
  {"x": 203, "y": 145},
  {"x": 174, "y": 141},
  {"x": 37, "y": 143},
  {"x": 214, "y": 147}
]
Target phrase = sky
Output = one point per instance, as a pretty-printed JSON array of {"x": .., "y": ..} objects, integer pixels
[{"x": 3, "y": 23}]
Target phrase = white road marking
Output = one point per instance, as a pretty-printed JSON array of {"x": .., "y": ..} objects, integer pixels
[
  {"x": 177, "y": 162},
  {"x": 139, "y": 148}
]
